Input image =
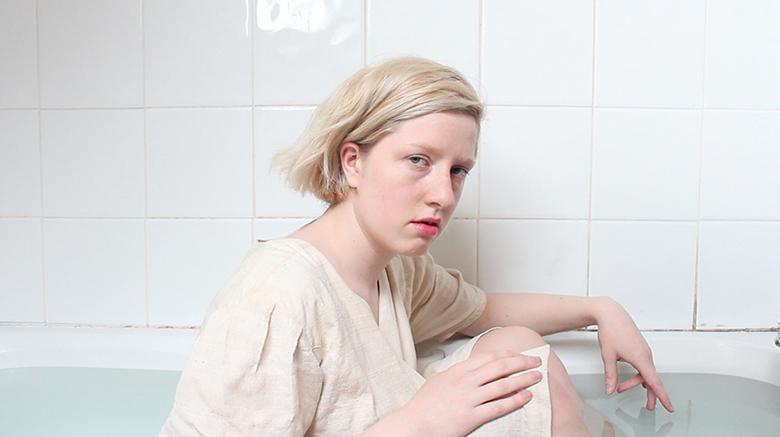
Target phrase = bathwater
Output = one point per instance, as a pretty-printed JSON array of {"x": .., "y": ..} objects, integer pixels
[
  {"x": 75, "y": 401},
  {"x": 705, "y": 406}
]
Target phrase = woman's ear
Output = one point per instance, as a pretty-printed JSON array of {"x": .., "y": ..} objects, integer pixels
[{"x": 350, "y": 162}]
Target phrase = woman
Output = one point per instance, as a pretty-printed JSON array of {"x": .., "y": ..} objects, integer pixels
[{"x": 315, "y": 333}]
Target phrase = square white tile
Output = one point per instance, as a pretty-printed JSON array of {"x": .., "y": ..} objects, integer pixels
[
  {"x": 456, "y": 248},
  {"x": 198, "y": 52},
  {"x": 199, "y": 162},
  {"x": 19, "y": 52},
  {"x": 93, "y": 163},
  {"x": 276, "y": 129},
  {"x": 740, "y": 165},
  {"x": 20, "y": 164},
  {"x": 537, "y": 53},
  {"x": 90, "y": 53},
  {"x": 738, "y": 275},
  {"x": 269, "y": 229},
  {"x": 533, "y": 256},
  {"x": 21, "y": 267},
  {"x": 535, "y": 163},
  {"x": 189, "y": 262},
  {"x": 409, "y": 27},
  {"x": 649, "y": 268},
  {"x": 94, "y": 271},
  {"x": 302, "y": 50},
  {"x": 742, "y": 65},
  {"x": 646, "y": 164},
  {"x": 649, "y": 53}
]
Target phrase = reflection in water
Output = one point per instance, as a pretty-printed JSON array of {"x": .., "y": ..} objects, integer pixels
[
  {"x": 302, "y": 15},
  {"x": 726, "y": 406},
  {"x": 644, "y": 424}
]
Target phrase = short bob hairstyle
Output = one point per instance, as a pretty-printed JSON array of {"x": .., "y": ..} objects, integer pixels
[{"x": 362, "y": 110}]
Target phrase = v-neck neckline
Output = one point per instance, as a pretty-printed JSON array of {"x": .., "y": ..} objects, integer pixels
[{"x": 383, "y": 296}]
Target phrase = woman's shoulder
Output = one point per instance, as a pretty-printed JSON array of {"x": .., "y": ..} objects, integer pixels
[{"x": 274, "y": 272}]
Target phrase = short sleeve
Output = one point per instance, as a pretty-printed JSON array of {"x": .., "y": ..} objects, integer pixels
[
  {"x": 443, "y": 303},
  {"x": 251, "y": 373}
]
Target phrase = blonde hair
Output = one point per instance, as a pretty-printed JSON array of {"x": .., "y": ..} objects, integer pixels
[{"x": 362, "y": 110}]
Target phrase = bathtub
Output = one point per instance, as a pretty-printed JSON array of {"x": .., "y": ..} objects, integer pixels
[{"x": 155, "y": 356}]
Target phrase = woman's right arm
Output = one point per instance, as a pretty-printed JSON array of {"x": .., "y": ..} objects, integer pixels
[{"x": 463, "y": 397}]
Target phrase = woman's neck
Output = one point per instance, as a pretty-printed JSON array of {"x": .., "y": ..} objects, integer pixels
[{"x": 357, "y": 259}]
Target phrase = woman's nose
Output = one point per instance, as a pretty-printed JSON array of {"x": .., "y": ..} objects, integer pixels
[{"x": 441, "y": 192}]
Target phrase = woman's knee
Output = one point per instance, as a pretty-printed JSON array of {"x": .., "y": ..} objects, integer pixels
[{"x": 514, "y": 338}]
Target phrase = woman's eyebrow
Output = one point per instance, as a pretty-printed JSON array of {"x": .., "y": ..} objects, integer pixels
[{"x": 470, "y": 162}]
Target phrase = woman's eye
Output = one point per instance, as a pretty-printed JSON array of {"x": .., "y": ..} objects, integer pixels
[
  {"x": 460, "y": 171},
  {"x": 417, "y": 160}
]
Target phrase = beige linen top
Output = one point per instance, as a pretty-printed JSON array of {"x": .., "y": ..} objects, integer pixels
[{"x": 288, "y": 349}]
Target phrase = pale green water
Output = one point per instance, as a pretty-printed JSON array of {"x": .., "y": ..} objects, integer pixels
[
  {"x": 68, "y": 401},
  {"x": 705, "y": 405},
  {"x": 73, "y": 401}
]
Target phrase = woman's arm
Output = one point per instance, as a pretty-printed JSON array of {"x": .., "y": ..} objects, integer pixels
[
  {"x": 544, "y": 313},
  {"x": 619, "y": 337}
]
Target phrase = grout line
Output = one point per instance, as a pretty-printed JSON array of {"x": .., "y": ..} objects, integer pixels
[
  {"x": 366, "y": 7},
  {"x": 695, "y": 318},
  {"x": 588, "y": 272},
  {"x": 489, "y": 105},
  {"x": 252, "y": 26},
  {"x": 480, "y": 60},
  {"x": 459, "y": 217},
  {"x": 6, "y": 324},
  {"x": 146, "y": 167},
  {"x": 40, "y": 163}
]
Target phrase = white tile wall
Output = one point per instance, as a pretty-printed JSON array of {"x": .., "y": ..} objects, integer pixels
[
  {"x": 188, "y": 262},
  {"x": 533, "y": 256},
  {"x": 94, "y": 271},
  {"x": 537, "y": 53},
  {"x": 197, "y": 53},
  {"x": 199, "y": 162},
  {"x": 302, "y": 50},
  {"x": 276, "y": 129},
  {"x": 740, "y": 162},
  {"x": 649, "y": 53},
  {"x": 738, "y": 275},
  {"x": 535, "y": 163},
  {"x": 629, "y": 147},
  {"x": 456, "y": 248},
  {"x": 20, "y": 164},
  {"x": 742, "y": 65},
  {"x": 21, "y": 299},
  {"x": 402, "y": 28},
  {"x": 93, "y": 163},
  {"x": 18, "y": 56},
  {"x": 90, "y": 53},
  {"x": 268, "y": 229},
  {"x": 646, "y": 164},
  {"x": 649, "y": 267}
]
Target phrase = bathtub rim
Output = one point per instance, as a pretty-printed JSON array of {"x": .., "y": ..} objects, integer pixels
[{"x": 750, "y": 355}]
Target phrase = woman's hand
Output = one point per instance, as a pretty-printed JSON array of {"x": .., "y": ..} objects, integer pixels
[
  {"x": 620, "y": 340},
  {"x": 472, "y": 392}
]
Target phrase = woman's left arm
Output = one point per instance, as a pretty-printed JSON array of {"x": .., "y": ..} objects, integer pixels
[{"x": 619, "y": 337}]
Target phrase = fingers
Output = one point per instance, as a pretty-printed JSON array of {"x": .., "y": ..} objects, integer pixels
[
  {"x": 654, "y": 383},
  {"x": 475, "y": 361},
  {"x": 610, "y": 373},
  {"x": 503, "y": 367},
  {"x": 630, "y": 383},
  {"x": 507, "y": 386},
  {"x": 495, "y": 409},
  {"x": 650, "y": 405}
]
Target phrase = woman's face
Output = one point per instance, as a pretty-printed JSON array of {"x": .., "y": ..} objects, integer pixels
[{"x": 409, "y": 183}]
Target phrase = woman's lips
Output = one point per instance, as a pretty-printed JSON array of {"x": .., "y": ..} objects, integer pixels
[{"x": 426, "y": 229}]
